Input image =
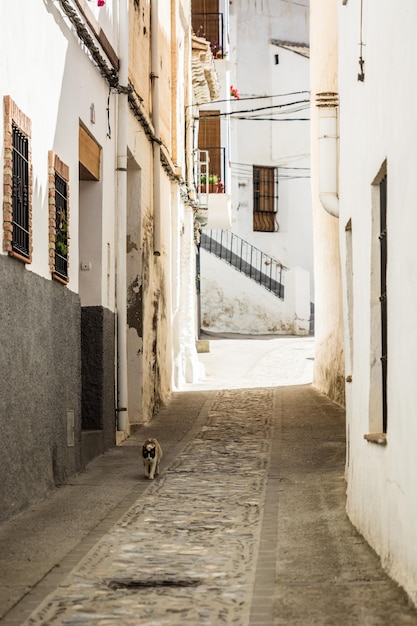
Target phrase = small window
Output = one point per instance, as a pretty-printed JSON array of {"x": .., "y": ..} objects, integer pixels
[
  {"x": 17, "y": 183},
  {"x": 59, "y": 218},
  {"x": 265, "y": 198},
  {"x": 20, "y": 193}
]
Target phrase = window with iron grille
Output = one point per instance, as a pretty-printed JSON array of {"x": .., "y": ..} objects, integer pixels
[
  {"x": 58, "y": 218},
  {"x": 17, "y": 182},
  {"x": 61, "y": 227},
  {"x": 20, "y": 192},
  {"x": 265, "y": 198}
]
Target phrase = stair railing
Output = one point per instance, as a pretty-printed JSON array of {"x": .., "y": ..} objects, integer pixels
[{"x": 246, "y": 258}]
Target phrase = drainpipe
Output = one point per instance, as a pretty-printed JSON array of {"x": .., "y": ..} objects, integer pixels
[
  {"x": 121, "y": 292},
  {"x": 327, "y": 104},
  {"x": 155, "y": 67}
]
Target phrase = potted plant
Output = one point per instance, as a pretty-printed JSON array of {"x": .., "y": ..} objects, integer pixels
[
  {"x": 213, "y": 180},
  {"x": 214, "y": 184},
  {"x": 217, "y": 51},
  {"x": 203, "y": 183}
]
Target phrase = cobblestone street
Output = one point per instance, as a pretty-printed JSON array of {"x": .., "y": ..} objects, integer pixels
[
  {"x": 186, "y": 552},
  {"x": 245, "y": 526}
]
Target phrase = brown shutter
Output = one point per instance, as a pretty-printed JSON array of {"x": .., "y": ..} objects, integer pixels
[
  {"x": 209, "y": 139},
  {"x": 266, "y": 190},
  {"x": 263, "y": 199},
  {"x": 205, "y": 19},
  {"x": 89, "y": 156}
]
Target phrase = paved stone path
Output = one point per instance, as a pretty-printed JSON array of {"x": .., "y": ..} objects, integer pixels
[
  {"x": 246, "y": 525},
  {"x": 185, "y": 553}
]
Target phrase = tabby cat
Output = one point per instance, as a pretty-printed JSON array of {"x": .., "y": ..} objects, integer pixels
[{"x": 152, "y": 454}]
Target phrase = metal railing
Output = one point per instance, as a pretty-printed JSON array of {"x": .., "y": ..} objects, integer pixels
[
  {"x": 210, "y": 167},
  {"x": 244, "y": 257},
  {"x": 20, "y": 192}
]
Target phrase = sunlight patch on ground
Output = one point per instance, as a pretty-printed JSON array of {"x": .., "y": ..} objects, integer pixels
[{"x": 242, "y": 362}]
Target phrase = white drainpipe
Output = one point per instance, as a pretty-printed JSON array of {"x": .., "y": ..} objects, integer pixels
[
  {"x": 121, "y": 292},
  {"x": 155, "y": 67},
  {"x": 327, "y": 104}
]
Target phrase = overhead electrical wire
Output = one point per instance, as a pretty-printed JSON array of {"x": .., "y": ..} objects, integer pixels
[
  {"x": 277, "y": 95},
  {"x": 272, "y": 106},
  {"x": 273, "y": 119},
  {"x": 285, "y": 172}
]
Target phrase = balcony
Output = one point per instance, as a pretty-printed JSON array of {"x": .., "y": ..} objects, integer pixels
[
  {"x": 210, "y": 26},
  {"x": 215, "y": 204}
]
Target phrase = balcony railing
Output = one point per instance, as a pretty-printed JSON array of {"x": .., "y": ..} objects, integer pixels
[
  {"x": 211, "y": 170},
  {"x": 211, "y": 27}
]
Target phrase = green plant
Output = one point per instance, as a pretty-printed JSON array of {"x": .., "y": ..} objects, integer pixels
[
  {"x": 61, "y": 248},
  {"x": 213, "y": 179}
]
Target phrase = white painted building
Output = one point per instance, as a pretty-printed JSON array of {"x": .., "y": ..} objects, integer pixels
[
  {"x": 97, "y": 263},
  {"x": 57, "y": 260},
  {"x": 270, "y": 184},
  {"x": 373, "y": 92}
]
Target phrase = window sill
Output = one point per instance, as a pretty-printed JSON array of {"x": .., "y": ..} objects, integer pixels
[
  {"x": 379, "y": 438},
  {"x": 20, "y": 257},
  {"x": 59, "y": 279}
]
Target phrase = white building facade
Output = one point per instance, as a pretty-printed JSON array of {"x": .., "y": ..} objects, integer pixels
[
  {"x": 57, "y": 259},
  {"x": 270, "y": 176},
  {"x": 98, "y": 255},
  {"x": 374, "y": 94}
]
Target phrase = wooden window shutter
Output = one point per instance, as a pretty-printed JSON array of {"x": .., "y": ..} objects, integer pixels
[
  {"x": 209, "y": 139},
  {"x": 89, "y": 156},
  {"x": 264, "y": 198},
  {"x": 205, "y": 19}
]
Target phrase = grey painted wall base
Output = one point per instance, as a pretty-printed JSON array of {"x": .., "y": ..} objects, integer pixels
[
  {"x": 98, "y": 380},
  {"x": 92, "y": 445},
  {"x": 40, "y": 390},
  {"x": 57, "y": 380}
]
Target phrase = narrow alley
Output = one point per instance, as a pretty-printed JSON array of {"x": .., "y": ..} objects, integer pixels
[{"x": 246, "y": 524}]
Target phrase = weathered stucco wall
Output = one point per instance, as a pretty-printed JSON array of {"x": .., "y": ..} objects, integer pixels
[
  {"x": 161, "y": 304},
  {"x": 238, "y": 304}
]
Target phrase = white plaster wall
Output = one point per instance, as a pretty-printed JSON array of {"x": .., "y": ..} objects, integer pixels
[
  {"x": 187, "y": 368},
  {"x": 276, "y": 144},
  {"x": 329, "y": 346},
  {"x": 378, "y": 122},
  {"x": 237, "y": 304},
  {"x": 54, "y": 83}
]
